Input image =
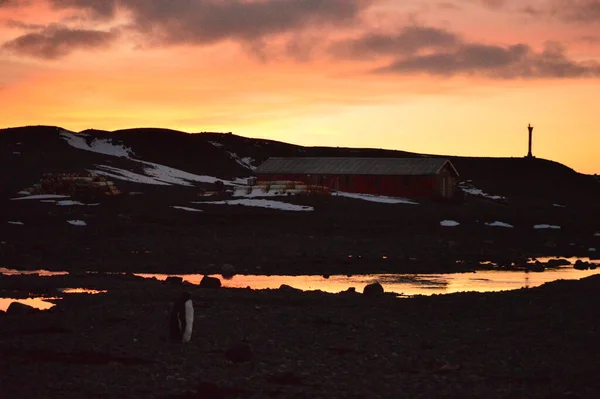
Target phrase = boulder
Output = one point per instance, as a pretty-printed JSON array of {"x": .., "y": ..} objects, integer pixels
[
  {"x": 174, "y": 280},
  {"x": 287, "y": 288},
  {"x": 17, "y": 308},
  {"x": 227, "y": 271},
  {"x": 210, "y": 282},
  {"x": 581, "y": 265},
  {"x": 557, "y": 262},
  {"x": 239, "y": 353},
  {"x": 373, "y": 290}
]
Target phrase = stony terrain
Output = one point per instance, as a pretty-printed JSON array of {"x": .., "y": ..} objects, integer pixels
[{"x": 534, "y": 343}]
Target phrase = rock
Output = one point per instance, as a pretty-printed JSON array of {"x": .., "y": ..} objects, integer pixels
[
  {"x": 373, "y": 290},
  {"x": 239, "y": 353},
  {"x": 17, "y": 308},
  {"x": 557, "y": 262},
  {"x": 174, "y": 280},
  {"x": 227, "y": 271},
  {"x": 581, "y": 265},
  {"x": 210, "y": 282},
  {"x": 287, "y": 288}
]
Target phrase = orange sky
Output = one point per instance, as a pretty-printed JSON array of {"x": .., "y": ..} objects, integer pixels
[{"x": 447, "y": 77}]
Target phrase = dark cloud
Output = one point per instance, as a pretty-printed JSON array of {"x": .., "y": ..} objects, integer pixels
[
  {"x": 94, "y": 8},
  {"x": 576, "y": 10},
  {"x": 58, "y": 41},
  {"x": 185, "y": 21},
  {"x": 206, "y": 21},
  {"x": 409, "y": 40},
  {"x": 517, "y": 61},
  {"x": 11, "y": 23}
]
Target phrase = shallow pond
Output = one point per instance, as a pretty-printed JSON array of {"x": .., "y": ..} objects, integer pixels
[{"x": 401, "y": 284}]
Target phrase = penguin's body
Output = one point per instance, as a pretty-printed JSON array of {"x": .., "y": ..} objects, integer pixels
[{"x": 182, "y": 319}]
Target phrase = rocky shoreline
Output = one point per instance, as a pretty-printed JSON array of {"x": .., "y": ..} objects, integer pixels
[{"x": 285, "y": 343}]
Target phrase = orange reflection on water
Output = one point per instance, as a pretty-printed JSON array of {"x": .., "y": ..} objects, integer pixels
[
  {"x": 406, "y": 284},
  {"x": 82, "y": 291},
  {"x": 38, "y": 303}
]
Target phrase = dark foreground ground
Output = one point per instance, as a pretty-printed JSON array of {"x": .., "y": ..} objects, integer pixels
[
  {"x": 534, "y": 343},
  {"x": 144, "y": 233}
]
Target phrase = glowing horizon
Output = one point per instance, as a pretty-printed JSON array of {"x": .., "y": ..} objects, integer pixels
[{"x": 428, "y": 77}]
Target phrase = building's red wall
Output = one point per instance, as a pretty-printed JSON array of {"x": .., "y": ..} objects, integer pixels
[{"x": 396, "y": 186}]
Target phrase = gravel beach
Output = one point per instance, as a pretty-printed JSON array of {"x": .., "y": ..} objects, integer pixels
[{"x": 535, "y": 343}]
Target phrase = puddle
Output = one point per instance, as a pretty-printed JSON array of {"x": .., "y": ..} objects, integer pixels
[
  {"x": 405, "y": 284},
  {"x": 81, "y": 291},
  {"x": 402, "y": 284},
  {"x": 38, "y": 303},
  {"x": 43, "y": 273}
]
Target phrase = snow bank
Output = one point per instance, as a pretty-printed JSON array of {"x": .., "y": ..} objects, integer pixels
[
  {"x": 24, "y": 192},
  {"x": 376, "y": 198},
  {"x": 499, "y": 224},
  {"x": 100, "y": 146},
  {"x": 262, "y": 203},
  {"x": 469, "y": 189},
  {"x": 449, "y": 223},
  {"x": 77, "y": 222},
  {"x": 40, "y": 197},
  {"x": 16, "y": 223},
  {"x": 69, "y": 203},
  {"x": 185, "y": 208},
  {"x": 546, "y": 226},
  {"x": 246, "y": 162},
  {"x": 597, "y": 234}
]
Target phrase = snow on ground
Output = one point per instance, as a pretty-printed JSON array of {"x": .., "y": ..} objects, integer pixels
[
  {"x": 546, "y": 226},
  {"x": 216, "y": 144},
  {"x": 261, "y": 203},
  {"x": 100, "y": 146},
  {"x": 16, "y": 223},
  {"x": 175, "y": 176},
  {"x": 50, "y": 201},
  {"x": 122, "y": 174},
  {"x": 597, "y": 234},
  {"x": 246, "y": 162},
  {"x": 77, "y": 222},
  {"x": 559, "y": 205},
  {"x": 449, "y": 223},
  {"x": 69, "y": 203},
  {"x": 40, "y": 197},
  {"x": 376, "y": 198},
  {"x": 469, "y": 189},
  {"x": 154, "y": 173},
  {"x": 185, "y": 208},
  {"x": 257, "y": 191},
  {"x": 499, "y": 224},
  {"x": 24, "y": 192},
  {"x": 591, "y": 249}
]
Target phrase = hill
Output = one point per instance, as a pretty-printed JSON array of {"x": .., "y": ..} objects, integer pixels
[{"x": 171, "y": 225}]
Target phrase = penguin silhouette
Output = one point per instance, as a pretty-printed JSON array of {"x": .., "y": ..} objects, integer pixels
[{"x": 182, "y": 319}]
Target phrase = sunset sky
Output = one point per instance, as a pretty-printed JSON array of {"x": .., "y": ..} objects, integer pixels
[{"x": 460, "y": 77}]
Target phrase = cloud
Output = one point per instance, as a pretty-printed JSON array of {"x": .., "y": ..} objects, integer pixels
[
  {"x": 57, "y": 41},
  {"x": 409, "y": 40},
  {"x": 102, "y": 9},
  {"x": 11, "y": 23},
  {"x": 576, "y": 10},
  {"x": 499, "y": 62},
  {"x": 208, "y": 21}
]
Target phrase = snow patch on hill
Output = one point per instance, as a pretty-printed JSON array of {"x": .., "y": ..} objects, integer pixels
[
  {"x": 499, "y": 224},
  {"x": 154, "y": 173},
  {"x": 100, "y": 146},
  {"x": 261, "y": 203},
  {"x": 468, "y": 188},
  {"x": 376, "y": 198}
]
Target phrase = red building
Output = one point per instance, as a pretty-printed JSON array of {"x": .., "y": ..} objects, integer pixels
[{"x": 397, "y": 177}]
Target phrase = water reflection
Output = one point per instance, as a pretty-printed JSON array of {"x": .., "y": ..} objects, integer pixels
[
  {"x": 81, "y": 291},
  {"x": 406, "y": 284},
  {"x": 43, "y": 273},
  {"x": 38, "y": 303}
]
